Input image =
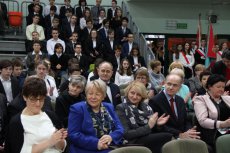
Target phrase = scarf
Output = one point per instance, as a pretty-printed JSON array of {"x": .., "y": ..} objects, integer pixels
[
  {"x": 137, "y": 116},
  {"x": 102, "y": 121}
]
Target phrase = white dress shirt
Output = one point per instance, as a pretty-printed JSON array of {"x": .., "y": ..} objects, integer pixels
[
  {"x": 30, "y": 30},
  {"x": 51, "y": 43}
]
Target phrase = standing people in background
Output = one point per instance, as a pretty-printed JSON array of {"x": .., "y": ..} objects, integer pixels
[
  {"x": 111, "y": 11},
  {"x": 200, "y": 54},
  {"x": 168, "y": 102},
  {"x": 187, "y": 59},
  {"x": 155, "y": 75},
  {"x": 31, "y": 6},
  {"x": 9, "y": 86},
  {"x": 47, "y": 8},
  {"x": 52, "y": 42},
  {"x": 36, "y": 131},
  {"x": 93, "y": 125},
  {"x": 35, "y": 27},
  {"x": 141, "y": 124},
  {"x": 95, "y": 11},
  {"x": 224, "y": 47},
  {"x": 193, "y": 47},
  {"x": 64, "y": 8},
  {"x": 55, "y": 25}
]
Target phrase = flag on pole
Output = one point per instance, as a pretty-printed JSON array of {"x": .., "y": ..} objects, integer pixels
[
  {"x": 211, "y": 43},
  {"x": 199, "y": 33}
]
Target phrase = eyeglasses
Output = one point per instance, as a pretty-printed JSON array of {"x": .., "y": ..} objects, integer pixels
[{"x": 34, "y": 100}]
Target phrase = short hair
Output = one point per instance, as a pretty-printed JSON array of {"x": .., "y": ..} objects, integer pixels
[
  {"x": 78, "y": 80},
  {"x": 42, "y": 62},
  {"x": 125, "y": 19},
  {"x": 178, "y": 72},
  {"x": 213, "y": 79},
  {"x": 17, "y": 62},
  {"x": 110, "y": 31},
  {"x": 226, "y": 54},
  {"x": 199, "y": 67},
  {"x": 31, "y": 86},
  {"x": 154, "y": 63},
  {"x": 73, "y": 67},
  {"x": 78, "y": 43},
  {"x": 55, "y": 29},
  {"x": 142, "y": 71},
  {"x": 135, "y": 47},
  {"x": 98, "y": 84},
  {"x": 114, "y": 1},
  {"x": 175, "y": 64},
  {"x": 181, "y": 80},
  {"x": 105, "y": 21},
  {"x": 55, "y": 19},
  {"x": 204, "y": 73},
  {"x": 139, "y": 87},
  {"x": 89, "y": 20},
  {"x": 69, "y": 10},
  {"x": 79, "y": 2},
  {"x": 53, "y": 8},
  {"x": 37, "y": 42},
  {"x": 36, "y": 15},
  {"x": 117, "y": 47},
  {"x": 5, "y": 63}
]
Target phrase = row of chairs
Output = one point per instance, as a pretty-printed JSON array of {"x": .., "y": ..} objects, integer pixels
[{"x": 182, "y": 146}]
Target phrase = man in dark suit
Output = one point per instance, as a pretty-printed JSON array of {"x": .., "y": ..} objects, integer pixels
[
  {"x": 111, "y": 11},
  {"x": 127, "y": 46},
  {"x": 31, "y": 7},
  {"x": 9, "y": 86},
  {"x": 81, "y": 9},
  {"x": 85, "y": 33},
  {"x": 123, "y": 31},
  {"x": 105, "y": 72},
  {"x": 71, "y": 43},
  {"x": 29, "y": 18},
  {"x": 64, "y": 8},
  {"x": 49, "y": 18},
  {"x": 71, "y": 27},
  {"x": 103, "y": 32},
  {"x": 167, "y": 102}
]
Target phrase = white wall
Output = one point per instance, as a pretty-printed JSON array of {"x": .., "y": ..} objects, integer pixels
[{"x": 151, "y": 17}]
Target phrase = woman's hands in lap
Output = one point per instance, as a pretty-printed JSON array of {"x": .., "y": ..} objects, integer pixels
[{"x": 104, "y": 142}]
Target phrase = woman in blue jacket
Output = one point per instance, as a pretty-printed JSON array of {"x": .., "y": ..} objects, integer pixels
[{"x": 93, "y": 125}]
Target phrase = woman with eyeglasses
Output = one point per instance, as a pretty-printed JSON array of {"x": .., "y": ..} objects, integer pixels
[{"x": 33, "y": 130}]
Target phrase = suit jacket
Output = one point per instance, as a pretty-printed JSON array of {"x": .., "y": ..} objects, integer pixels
[
  {"x": 83, "y": 63},
  {"x": 14, "y": 86},
  {"x": 125, "y": 48},
  {"x": 120, "y": 34},
  {"x": 79, "y": 12},
  {"x": 48, "y": 22},
  {"x": 68, "y": 32},
  {"x": 84, "y": 34},
  {"x": 160, "y": 104},
  {"x": 89, "y": 47},
  {"x": 29, "y": 20},
  {"x": 81, "y": 133},
  {"x": 208, "y": 116},
  {"x": 31, "y": 8},
  {"x": 63, "y": 10},
  {"x": 109, "y": 14},
  {"x": 115, "y": 91},
  {"x": 70, "y": 48},
  {"x": 140, "y": 59},
  {"x": 63, "y": 61},
  {"x": 102, "y": 34}
]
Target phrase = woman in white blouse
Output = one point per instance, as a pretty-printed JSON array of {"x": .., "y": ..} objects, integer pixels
[
  {"x": 124, "y": 75},
  {"x": 187, "y": 59},
  {"x": 33, "y": 130}
]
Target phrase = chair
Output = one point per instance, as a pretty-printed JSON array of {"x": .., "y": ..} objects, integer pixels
[
  {"x": 185, "y": 146},
  {"x": 222, "y": 144},
  {"x": 131, "y": 149},
  {"x": 15, "y": 20}
]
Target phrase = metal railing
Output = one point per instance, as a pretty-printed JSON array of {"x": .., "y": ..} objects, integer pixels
[
  {"x": 12, "y": 5},
  {"x": 145, "y": 51}
]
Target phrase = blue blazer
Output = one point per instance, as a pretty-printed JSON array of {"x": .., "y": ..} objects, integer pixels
[{"x": 81, "y": 133}]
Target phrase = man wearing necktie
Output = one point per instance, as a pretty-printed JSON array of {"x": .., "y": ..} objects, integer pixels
[{"x": 167, "y": 102}]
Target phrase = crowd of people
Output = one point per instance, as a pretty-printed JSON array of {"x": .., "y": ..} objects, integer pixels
[{"x": 86, "y": 88}]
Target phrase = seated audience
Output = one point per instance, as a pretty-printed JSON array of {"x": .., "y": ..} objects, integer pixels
[
  {"x": 73, "y": 95},
  {"x": 86, "y": 16},
  {"x": 29, "y": 43},
  {"x": 101, "y": 17},
  {"x": 116, "y": 21},
  {"x": 155, "y": 75},
  {"x": 111, "y": 11},
  {"x": 167, "y": 102},
  {"x": 9, "y": 85},
  {"x": 124, "y": 75},
  {"x": 47, "y": 8},
  {"x": 203, "y": 79},
  {"x": 64, "y": 8},
  {"x": 213, "y": 111},
  {"x": 123, "y": 31},
  {"x": 127, "y": 46},
  {"x": 141, "y": 125},
  {"x": 103, "y": 31},
  {"x": 52, "y": 42},
  {"x": 81, "y": 9},
  {"x": 35, "y": 27},
  {"x": 18, "y": 73},
  {"x": 29, "y": 18},
  {"x": 95, "y": 11},
  {"x": 135, "y": 58},
  {"x": 93, "y": 125},
  {"x": 31, "y": 7},
  {"x": 37, "y": 131},
  {"x": 3, "y": 17},
  {"x": 34, "y": 57},
  {"x": 55, "y": 25},
  {"x": 66, "y": 19},
  {"x": 71, "y": 27},
  {"x": 50, "y": 17},
  {"x": 70, "y": 45}
]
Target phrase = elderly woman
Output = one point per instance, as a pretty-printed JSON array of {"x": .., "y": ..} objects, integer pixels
[
  {"x": 33, "y": 130},
  {"x": 93, "y": 125},
  {"x": 139, "y": 121},
  {"x": 213, "y": 110},
  {"x": 73, "y": 95}
]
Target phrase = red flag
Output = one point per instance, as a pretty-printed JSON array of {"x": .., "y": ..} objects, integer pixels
[
  {"x": 211, "y": 43},
  {"x": 199, "y": 33}
]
